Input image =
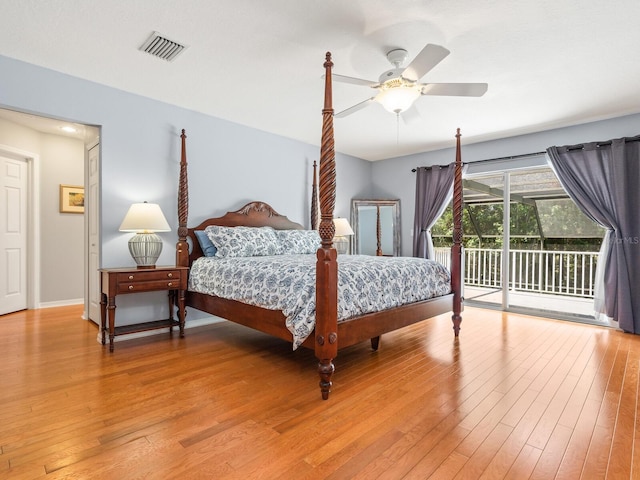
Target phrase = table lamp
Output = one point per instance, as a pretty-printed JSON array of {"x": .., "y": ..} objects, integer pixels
[
  {"x": 145, "y": 219},
  {"x": 343, "y": 230}
]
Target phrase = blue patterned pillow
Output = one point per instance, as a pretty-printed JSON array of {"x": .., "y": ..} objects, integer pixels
[
  {"x": 243, "y": 241},
  {"x": 208, "y": 248},
  {"x": 298, "y": 241}
]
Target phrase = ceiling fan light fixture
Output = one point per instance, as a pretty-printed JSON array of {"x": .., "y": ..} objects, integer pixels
[
  {"x": 398, "y": 99},
  {"x": 399, "y": 87}
]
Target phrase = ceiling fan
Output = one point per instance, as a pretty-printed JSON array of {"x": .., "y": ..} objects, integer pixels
[{"x": 399, "y": 87}]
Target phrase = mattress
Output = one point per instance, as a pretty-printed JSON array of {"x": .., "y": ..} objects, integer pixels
[{"x": 287, "y": 282}]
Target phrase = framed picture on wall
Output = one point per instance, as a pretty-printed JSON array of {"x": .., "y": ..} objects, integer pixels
[{"x": 71, "y": 199}]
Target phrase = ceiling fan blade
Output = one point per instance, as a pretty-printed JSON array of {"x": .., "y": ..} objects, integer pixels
[
  {"x": 455, "y": 89},
  {"x": 429, "y": 57},
  {"x": 355, "y": 108},
  {"x": 411, "y": 116},
  {"x": 353, "y": 80}
]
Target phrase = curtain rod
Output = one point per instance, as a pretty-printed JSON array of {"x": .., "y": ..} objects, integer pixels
[
  {"x": 601, "y": 144},
  {"x": 513, "y": 157},
  {"x": 524, "y": 155},
  {"x": 431, "y": 166}
]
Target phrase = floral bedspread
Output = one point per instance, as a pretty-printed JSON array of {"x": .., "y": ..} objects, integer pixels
[{"x": 287, "y": 282}]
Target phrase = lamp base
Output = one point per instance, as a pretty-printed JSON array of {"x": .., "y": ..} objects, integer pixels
[
  {"x": 341, "y": 244},
  {"x": 145, "y": 248}
]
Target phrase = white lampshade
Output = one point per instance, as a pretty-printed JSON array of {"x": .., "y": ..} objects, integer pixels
[
  {"x": 145, "y": 219},
  {"x": 342, "y": 226},
  {"x": 398, "y": 99}
]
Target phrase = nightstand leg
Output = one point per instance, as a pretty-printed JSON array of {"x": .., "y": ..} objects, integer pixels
[
  {"x": 181, "y": 312},
  {"x": 171, "y": 296},
  {"x": 103, "y": 316},
  {"x": 111, "y": 308}
]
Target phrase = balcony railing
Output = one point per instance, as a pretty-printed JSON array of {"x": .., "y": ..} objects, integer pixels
[{"x": 539, "y": 271}]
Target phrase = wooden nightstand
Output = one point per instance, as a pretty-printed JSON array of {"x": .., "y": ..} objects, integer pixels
[{"x": 122, "y": 281}]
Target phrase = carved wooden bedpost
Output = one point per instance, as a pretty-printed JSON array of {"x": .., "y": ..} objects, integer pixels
[
  {"x": 378, "y": 233},
  {"x": 456, "y": 249},
  {"x": 314, "y": 198},
  {"x": 182, "y": 247},
  {"x": 326, "y": 330}
]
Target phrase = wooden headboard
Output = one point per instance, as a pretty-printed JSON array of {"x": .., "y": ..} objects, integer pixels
[{"x": 253, "y": 214}]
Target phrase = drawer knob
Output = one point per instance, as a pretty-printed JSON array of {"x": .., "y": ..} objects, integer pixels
[
  {"x": 130, "y": 287},
  {"x": 130, "y": 277},
  {"x": 170, "y": 275},
  {"x": 170, "y": 284}
]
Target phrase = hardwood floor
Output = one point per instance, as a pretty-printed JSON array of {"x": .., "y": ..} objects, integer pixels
[{"x": 515, "y": 397}]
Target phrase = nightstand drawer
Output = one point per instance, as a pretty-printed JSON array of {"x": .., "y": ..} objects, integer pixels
[
  {"x": 149, "y": 275},
  {"x": 139, "y": 286}
]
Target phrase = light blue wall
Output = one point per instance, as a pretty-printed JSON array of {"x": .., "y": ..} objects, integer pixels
[
  {"x": 393, "y": 178},
  {"x": 229, "y": 164}
]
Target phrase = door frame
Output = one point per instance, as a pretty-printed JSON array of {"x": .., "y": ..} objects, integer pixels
[
  {"x": 33, "y": 222},
  {"x": 91, "y": 209}
]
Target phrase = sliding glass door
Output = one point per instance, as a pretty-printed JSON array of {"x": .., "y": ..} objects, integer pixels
[
  {"x": 484, "y": 234},
  {"x": 527, "y": 246}
]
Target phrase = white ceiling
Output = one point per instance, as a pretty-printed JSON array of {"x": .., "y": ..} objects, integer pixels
[
  {"x": 84, "y": 133},
  {"x": 548, "y": 63}
]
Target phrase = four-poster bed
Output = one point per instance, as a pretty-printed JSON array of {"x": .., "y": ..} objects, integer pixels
[{"x": 329, "y": 332}]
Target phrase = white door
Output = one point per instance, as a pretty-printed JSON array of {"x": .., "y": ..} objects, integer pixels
[
  {"x": 13, "y": 235},
  {"x": 93, "y": 233}
]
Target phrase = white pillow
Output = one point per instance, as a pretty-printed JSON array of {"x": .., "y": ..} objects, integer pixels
[
  {"x": 243, "y": 241},
  {"x": 298, "y": 241}
]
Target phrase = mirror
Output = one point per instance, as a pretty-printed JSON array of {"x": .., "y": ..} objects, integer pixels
[{"x": 365, "y": 217}]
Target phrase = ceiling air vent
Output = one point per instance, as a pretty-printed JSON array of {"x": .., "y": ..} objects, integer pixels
[{"x": 161, "y": 47}]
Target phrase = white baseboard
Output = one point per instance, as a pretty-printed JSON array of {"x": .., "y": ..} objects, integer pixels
[{"x": 61, "y": 303}]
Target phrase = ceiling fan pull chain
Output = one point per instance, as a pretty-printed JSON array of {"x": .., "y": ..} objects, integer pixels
[{"x": 397, "y": 128}]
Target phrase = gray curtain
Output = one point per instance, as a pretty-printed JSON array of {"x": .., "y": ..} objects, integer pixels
[
  {"x": 604, "y": 181},
  {"x": 434, "y": 189}
]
